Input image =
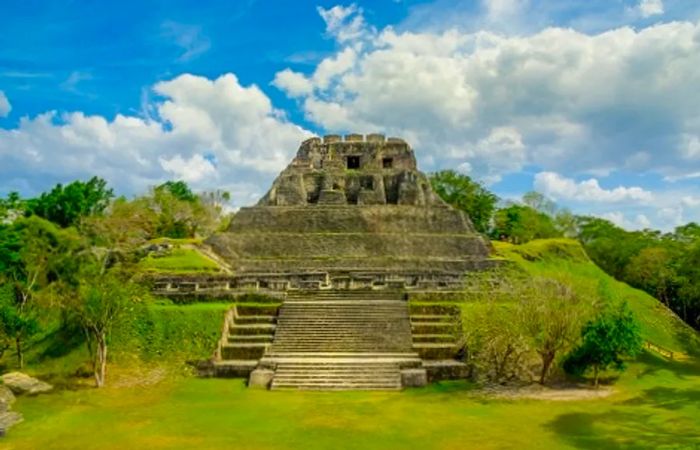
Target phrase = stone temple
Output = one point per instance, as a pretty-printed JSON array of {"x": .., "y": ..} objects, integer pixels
[
  {"x": 351, "y": 213},
  {"x": 355, "y": 247}
]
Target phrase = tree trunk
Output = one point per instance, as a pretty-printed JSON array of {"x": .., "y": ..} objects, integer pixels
[
  {"x": 547, "y": 359},
  {"x": 100, "y": 363},
  {"x": 20, "y": 353},
  {"x": 596, "y": 374}
]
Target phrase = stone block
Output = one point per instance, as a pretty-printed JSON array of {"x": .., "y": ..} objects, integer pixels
[
  {"x": 374, "y": 137},
  {"x": 261, "y": 378},
  {"x": 354, "y": 138},
  {"x": 331, "y": 138},
  {"x": 332, "y": 197},
  {"x": 414, "y": 377}
]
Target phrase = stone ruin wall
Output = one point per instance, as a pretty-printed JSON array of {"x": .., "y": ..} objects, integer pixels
[
  {"x": 354, "y": 170},
  {"x": 346, "y": 213}
]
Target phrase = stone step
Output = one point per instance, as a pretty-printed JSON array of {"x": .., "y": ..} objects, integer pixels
[
  {"x": 336, "y": 387},
  {"x": 241, "y": 320},
  {"x": 328, "y": 375},
  {"x": 251, "y": 329},
  {"x": 243, "y": 351},
  {"x": 436, "y": 350},
  {"x": 428, "y": 338},
  {"x": 243, "y": 338},
  {"x": 421, "y": 318}
]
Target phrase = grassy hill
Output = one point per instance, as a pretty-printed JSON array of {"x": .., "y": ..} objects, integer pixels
[{"x": 565, "y": 260}]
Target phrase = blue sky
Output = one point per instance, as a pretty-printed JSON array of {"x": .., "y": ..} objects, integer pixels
[{"x": 594, "y": 103}]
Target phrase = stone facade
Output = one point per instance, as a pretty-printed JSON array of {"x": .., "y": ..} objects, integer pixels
[{"x": 350, "y": 213}]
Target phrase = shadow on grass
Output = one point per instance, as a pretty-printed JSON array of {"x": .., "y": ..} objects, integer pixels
[
  {"x": 689, "y": 339},
  {"x": 60, "y": 343},
  {"x": 623, "y": 430},
  {"x": 667, "y": 398},
  {"x": 655, "y": 363}
]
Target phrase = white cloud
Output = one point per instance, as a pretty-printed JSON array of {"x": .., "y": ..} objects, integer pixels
[
  {"x": 559, "y": 187},
  {"x": 640, "y": 222},
  {"x": 191, "y": 170},
  {"x": 690, "y": 147},
  {"x": 501, "y": 8},
  {"x": 234, "y": 125},
  {"x": 648, "y": 8},
  {"x": 580, "y": 103},
  {"x": 672, "y": 215},
  {"x": 293, "y": 83},
  {"x": 344, "y": 23},
  {"x": 5, "y": 106}
]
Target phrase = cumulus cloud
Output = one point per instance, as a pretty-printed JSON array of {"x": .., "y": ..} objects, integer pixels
[
  {"x": 580, "y": 103},
  {"x": 648, "y": 8},
  {"x": 344, "y": 23},
  {"x": 293, "y": 83},
  {"x": 191, "y": 170},
  {"x": 640, "y": 222},
  {"x": 559, "y": 187},
  {"x": 5, "y": 106},
  {"x": 213, "y": 133}
]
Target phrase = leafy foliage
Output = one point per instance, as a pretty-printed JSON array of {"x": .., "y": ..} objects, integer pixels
[
  {"x": 66, "y": 205},
  {"x": 463, "y": 193},
  {"x": 605, "y": 341},
  {"x": 520, "y": 223}
]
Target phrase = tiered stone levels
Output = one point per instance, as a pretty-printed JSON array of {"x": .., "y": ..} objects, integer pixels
[{"x": 351, "y": 213}]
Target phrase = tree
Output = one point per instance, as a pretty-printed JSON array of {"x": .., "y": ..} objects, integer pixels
[
  {"x": 178, "y": 189},
  {"x": 539, "y": 202},
  {"x": 11, "y": 208},
  {"x": 463, "y": 193},
  {"x": 651, "y": 270},
  {"x": 552, "y": 315},
  {"x": 689, "y": 285},
  {"x": 103, "y": 300},
  {"x": 520, "y": 224},
  {"x": 33, "y": 254},
  {"x": 66, "y": 205},
  {"x": 605, "y": 341}
]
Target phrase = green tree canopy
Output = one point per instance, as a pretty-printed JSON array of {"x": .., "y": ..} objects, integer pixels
[
  {"x": 66, "y": 205},
  {"x": 605, "y": 341},
  {"x": 463, "y": 193}
]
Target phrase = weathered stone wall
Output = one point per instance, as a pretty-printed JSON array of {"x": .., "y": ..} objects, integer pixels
[
  {"x": 351, "y": 213},
  {"x": 355, "y": 170}
]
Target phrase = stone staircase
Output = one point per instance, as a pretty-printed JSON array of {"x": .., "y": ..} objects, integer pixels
[
  {"x": 247, "y": 333},
  {"x": 436, "y": 332},
  {"x": 341, "y": 374},
  {"x": 341, "y": 340}
]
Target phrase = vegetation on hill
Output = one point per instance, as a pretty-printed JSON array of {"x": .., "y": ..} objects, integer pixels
[
  {"x": 68, "y": 259},
  {"x": 665, "y": 265}
]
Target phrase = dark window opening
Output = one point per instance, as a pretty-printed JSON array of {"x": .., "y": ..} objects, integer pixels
[
  {"x": 367, "y": 183},
  {"x": 312, "y": 197},
  {"x": 336, "y": 187},
  {"x": 351, "y": 197},
  {"x": 353, "y": 162},
  {"x": 388, "y": 163}
]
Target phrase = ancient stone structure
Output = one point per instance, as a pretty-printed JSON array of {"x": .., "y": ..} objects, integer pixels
[
  {"x": 348, "y": 231},
  {"x": 352, "y": 213}
]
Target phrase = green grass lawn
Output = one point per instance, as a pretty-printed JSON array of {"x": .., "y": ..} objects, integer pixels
[
  {"x": 181, "y": 260},
  {"x": 656, "y": 405}
]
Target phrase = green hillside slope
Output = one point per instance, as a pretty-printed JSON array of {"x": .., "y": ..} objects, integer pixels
[{"x": 566, "y": 260}]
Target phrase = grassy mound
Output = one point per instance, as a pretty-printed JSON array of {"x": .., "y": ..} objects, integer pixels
[
  {"x": 179, "y": 260},
  {"x": 565, "y": 260}
]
